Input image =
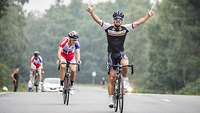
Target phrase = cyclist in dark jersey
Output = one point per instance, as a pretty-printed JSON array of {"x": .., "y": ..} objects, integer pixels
[{"x": 116, "y": 35}]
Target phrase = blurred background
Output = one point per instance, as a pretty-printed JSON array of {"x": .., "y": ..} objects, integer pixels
[{"x": 165, "y": 50}]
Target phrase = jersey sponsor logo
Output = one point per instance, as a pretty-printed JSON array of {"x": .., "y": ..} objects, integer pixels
[
  {"x": 37, "y": 60},
  {"x": 116, "y": 33},
  {"x": 67, "y": 49}
]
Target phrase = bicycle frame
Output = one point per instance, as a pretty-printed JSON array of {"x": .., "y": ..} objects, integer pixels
[
  {"x": 36, "y": 78},
  {"x": 118, "y": 88},
  {"x": 67, "y": 81}
]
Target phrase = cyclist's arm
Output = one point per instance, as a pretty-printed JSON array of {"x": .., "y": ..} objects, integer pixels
[
  {"x": 12, "y": 75},
  {"x": 41, "y": 62},
  {"x": 143, "y": 19},
  {"x": 93, "y": 15},
  {"x": 59, "y": 53},
  {"x": 60, "y": 47},
  {"x": 78, "y": 53},
  {"x": 30, "y": 61}
]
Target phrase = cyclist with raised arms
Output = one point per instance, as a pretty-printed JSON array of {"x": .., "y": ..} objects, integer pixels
[{"x": 116, "y": 35}]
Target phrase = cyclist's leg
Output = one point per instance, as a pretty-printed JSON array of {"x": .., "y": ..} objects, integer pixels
[
  {"x": 40, "y": 73},
  {"x": 110, "y": 75},
  {"x": 33, "y": 68},
  {"x": 16, "y": 85},
  {"x": 31, "y": 75},
  {"x": 73, "y": 71},
  {"x": 124, "y": 61},
  {"x": 62, "y": 70},
  {"x": 111, "y": 78}
]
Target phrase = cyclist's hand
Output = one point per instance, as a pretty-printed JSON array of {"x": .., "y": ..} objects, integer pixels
[
  {"x": 151, "y": 13},
  {"x": 90, "y": 8},
  {"x": 58, "y": 61},
  {"x": 42, "y": 72},
  {"x": 79, "y": 61}
]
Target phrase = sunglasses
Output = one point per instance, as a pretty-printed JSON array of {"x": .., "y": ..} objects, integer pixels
[{"x": 118, "y": 19}]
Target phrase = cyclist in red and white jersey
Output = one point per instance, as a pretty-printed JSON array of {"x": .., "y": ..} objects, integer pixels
[
  {"x": 69, "y": 50},
  {"x": 36, "y": 63}
]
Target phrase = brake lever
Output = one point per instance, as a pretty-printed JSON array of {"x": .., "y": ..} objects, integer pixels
[
  {"x": 78, "y": 67},
  {"x": 132, "y": 69}
]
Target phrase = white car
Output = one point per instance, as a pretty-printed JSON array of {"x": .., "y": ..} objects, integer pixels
[{"x": 51, "y": 85}]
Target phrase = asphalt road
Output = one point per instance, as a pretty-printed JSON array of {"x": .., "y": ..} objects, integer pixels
[{"x": 95, "y": 100}]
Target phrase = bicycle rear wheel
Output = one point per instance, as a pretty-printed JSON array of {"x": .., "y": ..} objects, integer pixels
[{"x": 121, "y": 94}]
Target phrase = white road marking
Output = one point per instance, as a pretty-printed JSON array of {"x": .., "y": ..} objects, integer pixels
[{"x": 166, "y": 100}]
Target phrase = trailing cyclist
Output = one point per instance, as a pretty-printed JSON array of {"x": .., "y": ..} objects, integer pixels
[
  {"x": 116, "y": 35},
  {"x": 36, "y": 63},
  {"x": 69, "y": 47}
]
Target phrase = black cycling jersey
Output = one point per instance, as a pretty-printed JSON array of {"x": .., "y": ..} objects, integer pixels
[{"x": 116, "y": 36}]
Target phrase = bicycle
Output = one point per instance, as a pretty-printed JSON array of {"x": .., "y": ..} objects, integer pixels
[
  {"x": 118, "y": 88},
  {"x": 36, "y": 78},
  {"x": 67, "y": 81}
]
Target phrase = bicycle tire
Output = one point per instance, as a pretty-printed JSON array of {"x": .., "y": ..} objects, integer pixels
[
  {"x": 116, "y": 96},
  {"x": 36, "y": 81},
  {"x": 64, "y": 96},
  {"x": 36, "y": 88},
  {"x": 67, "y": 97},
  {"x": 66, "y": 90},
  {"x": 121, "y": 94}
]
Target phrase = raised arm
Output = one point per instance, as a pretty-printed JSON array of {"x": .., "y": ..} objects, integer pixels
[
  {"x": 93, "y": 15},
  {"x": 143, "y": 19}
]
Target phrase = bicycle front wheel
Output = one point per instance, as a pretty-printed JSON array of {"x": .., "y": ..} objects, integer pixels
[
  {"x": 64, "y": 96},
  {"x": 66, "y": 90},
  {"x": 67, "y": 97},
  {"x": 115, "y": 96},
  {"x": 36, "y": 88},
  {"x": 121, "y": 94}
]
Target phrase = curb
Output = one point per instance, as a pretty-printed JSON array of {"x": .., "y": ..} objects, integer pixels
[{"x": 4, "y": 93}]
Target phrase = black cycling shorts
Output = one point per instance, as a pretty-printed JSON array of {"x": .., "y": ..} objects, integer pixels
[{"x": 115, "y": 58}]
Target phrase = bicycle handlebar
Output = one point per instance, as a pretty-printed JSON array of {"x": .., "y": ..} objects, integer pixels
[
  {"x": 121, "y": 66},
  {"x": 67, "y": 63}
]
